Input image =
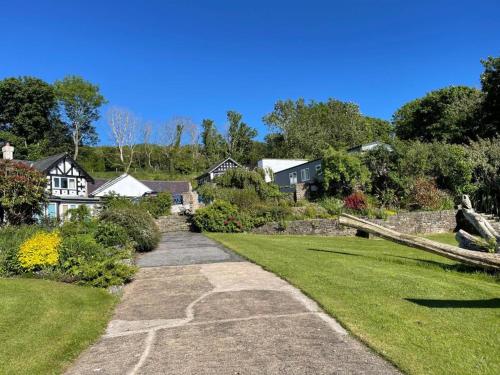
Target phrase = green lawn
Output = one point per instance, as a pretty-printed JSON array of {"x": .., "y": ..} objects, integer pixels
[
  {"x": 423, "y": 312},
  {"x": 44, "y": 325}
]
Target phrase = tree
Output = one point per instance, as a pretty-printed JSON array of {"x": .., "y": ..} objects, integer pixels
[
  {"x": 147, "y": 130},
  {"x": 80, "y": 102},
  {"x": 446, "y": 115},
  {"x": 171, "y": 139},
  {"x": 304, "y": 130},
  {"x": 29, "y": 118},
  {"x": 239, "y": 137},
  {"x": 22, "y": 192},
  {"x": 212, "y": 141},
  {"x": 490, "y": 111},
  {"x": 124, "y": 126},
  {"x": 343, "y": 173}
]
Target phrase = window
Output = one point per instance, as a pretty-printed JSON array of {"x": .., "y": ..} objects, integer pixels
[
  {"x": 64, "y": 183},
  {"x": 293, "y": 178},
  {"x": 304, "y": 174},
  {"x": 319, "y": 171}
]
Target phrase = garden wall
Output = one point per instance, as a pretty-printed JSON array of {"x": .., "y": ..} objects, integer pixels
[{"x": 405, "y": 222}]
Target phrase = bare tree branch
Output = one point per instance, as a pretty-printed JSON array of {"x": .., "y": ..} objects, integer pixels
[{"x": 124, "y": 127}]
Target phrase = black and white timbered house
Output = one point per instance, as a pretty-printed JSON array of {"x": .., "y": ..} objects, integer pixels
[
  {"x": 217, "y": 170},
  {"x": 67, "y": 182}
]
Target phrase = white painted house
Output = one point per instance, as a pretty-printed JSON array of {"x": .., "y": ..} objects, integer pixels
[
  {"x": 124, "y": 185},
  {"x": 271, "y": 166}
]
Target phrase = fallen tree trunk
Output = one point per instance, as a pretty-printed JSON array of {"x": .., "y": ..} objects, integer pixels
[{"x": 474, "y": 258}]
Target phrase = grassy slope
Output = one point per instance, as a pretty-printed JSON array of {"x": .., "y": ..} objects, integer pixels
[
  {"x": 44, "y": 324},
  {"x": 367, "y": 285}
]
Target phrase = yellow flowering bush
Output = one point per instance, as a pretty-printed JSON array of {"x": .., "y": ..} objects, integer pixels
[{"x": 42, "y": 249}]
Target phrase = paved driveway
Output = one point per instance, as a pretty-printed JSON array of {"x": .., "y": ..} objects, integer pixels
[{"x": 197, "y": 308}]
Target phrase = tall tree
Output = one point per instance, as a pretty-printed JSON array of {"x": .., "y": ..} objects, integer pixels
[
  {"x": 446, "y": 115},
  {"x": 171, "y": 138},
  {"x": 212, "y": 141},
  {"x": 80, "y": 103},
  {"x": 147, "y": 131},
  {"x": 124, "y": 127},
  {"x": 304, "y": 130},
  {"x": 490, "y": 111},
  {"x": 28, "y": 113},
  {"x": 239, "y": 137}
]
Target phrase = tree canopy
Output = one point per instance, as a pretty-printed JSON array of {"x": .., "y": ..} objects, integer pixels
[{"x": 447, "y": 115}]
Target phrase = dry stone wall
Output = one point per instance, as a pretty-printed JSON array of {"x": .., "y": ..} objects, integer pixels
[{"x": 424, "y": 222}]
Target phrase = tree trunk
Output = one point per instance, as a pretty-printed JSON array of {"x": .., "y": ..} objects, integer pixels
[{"x": 474, "y": 258}]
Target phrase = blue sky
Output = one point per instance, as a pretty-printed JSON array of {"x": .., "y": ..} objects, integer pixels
[{"x": 201, "y": 58}]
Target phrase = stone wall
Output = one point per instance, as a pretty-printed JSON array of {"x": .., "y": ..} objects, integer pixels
[
  {"x": 324, "y": 227},
  {"x": 424, "y": 222},
  {"x": 406, "y": 222}
]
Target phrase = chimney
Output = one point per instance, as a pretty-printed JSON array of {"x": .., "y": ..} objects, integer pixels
[{"x": 8, "y": 151}]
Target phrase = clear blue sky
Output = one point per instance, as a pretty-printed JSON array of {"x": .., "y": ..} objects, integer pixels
[{"x": 201, "y": 58}]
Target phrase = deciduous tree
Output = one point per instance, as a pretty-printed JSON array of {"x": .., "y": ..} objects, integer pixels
[{"x": 80, "y": 103}]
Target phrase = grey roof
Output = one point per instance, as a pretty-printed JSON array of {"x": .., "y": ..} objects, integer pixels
[
  {"x": 174, "y": 187},
  {"x": 44, "y": 164},
  {"x": 98, "y": 182}
]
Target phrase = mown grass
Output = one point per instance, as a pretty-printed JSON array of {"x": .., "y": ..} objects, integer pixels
[
  {"x": 44, "y": 325},
  {"x": 425, "y": 313}
]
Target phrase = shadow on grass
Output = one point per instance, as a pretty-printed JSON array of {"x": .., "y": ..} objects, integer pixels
[
  {"x": 457, "y": 267},
  {"x": 334, "y": 252},
  {"x": 492, "y": 303}
]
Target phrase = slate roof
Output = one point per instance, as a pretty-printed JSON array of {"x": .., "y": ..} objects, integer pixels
[
  {"x": 98, "y": 182},
  {"x": 174, "y": 187}
]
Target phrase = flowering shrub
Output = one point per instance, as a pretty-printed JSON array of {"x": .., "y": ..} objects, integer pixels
[
  {"x": 356, "y": 201},
  {"x": 40, "y": 250},
  {"x": 425, "y": 195}
]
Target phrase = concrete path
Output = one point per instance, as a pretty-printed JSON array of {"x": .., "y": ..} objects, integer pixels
[{"x": 222, "y": 316}]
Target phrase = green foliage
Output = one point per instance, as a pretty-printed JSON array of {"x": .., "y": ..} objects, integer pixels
[
  {"x": 213, "y": 142},
  {"x": 333, "y": 206},
  {"x": 220, "y": 216},
  {"x": 426, "y": 196},
  {"x": 80, "y": 214},
  {"x": 242, "y": 178},
  {"x": 306, "y": 129},
  {"x": 116, "y": 201},
  {"x": 343, "y": 173},
  {"x": 22, "y": 192},
  {"x": 80, "y": 102},
  {"x": 446, "y": 115},
  {"x": 11, "y": 238},
  {"x": 28, "y": 111},
  {"x": 87, "y": 262},
  {"x": 240, "y": 136},
  {"x": 139, "y": 224},
  {"x": 157, "y": 205},
  {"x": 490, "y": 109},
  {"x": 109, "y": 234},
  {"x": 486, "y": 174}
]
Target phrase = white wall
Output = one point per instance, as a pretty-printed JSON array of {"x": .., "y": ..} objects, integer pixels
[
  {"x": 127, "y": 186},
  {"x": 277, "y": 165}
]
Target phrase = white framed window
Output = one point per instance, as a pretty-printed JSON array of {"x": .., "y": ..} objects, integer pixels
[
  {"x": 319, "y": 170},
  {"x": 64, "y": 183},
  {"x": 293, "y": 178},
  {"x": 304, "y": 174}
]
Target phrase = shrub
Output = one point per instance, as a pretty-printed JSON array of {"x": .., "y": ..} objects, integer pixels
[
  {"x": 333, "y": 206},
  {"x": 426, "y": 196},
  {"x": 11, "y": 238},
  {"x": 113, "y": 200},
  {"x": 343, "y": 173},
  {"x": 139, "y": 225},
  {"x": 242, "y": 178},
  {"x": 157, "y": 205},
  {"x": 71, "y": 228},
  {"x": 40, "y": 250},
  {"x": 357, "y": 201},
  {"x": 79, "y": 214},
  {"x": 220, "y": 216},
  {"x": 22, "y": 192},
  {"x": 86, "y": 262},
  {"x": 110, "y": 234}
]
